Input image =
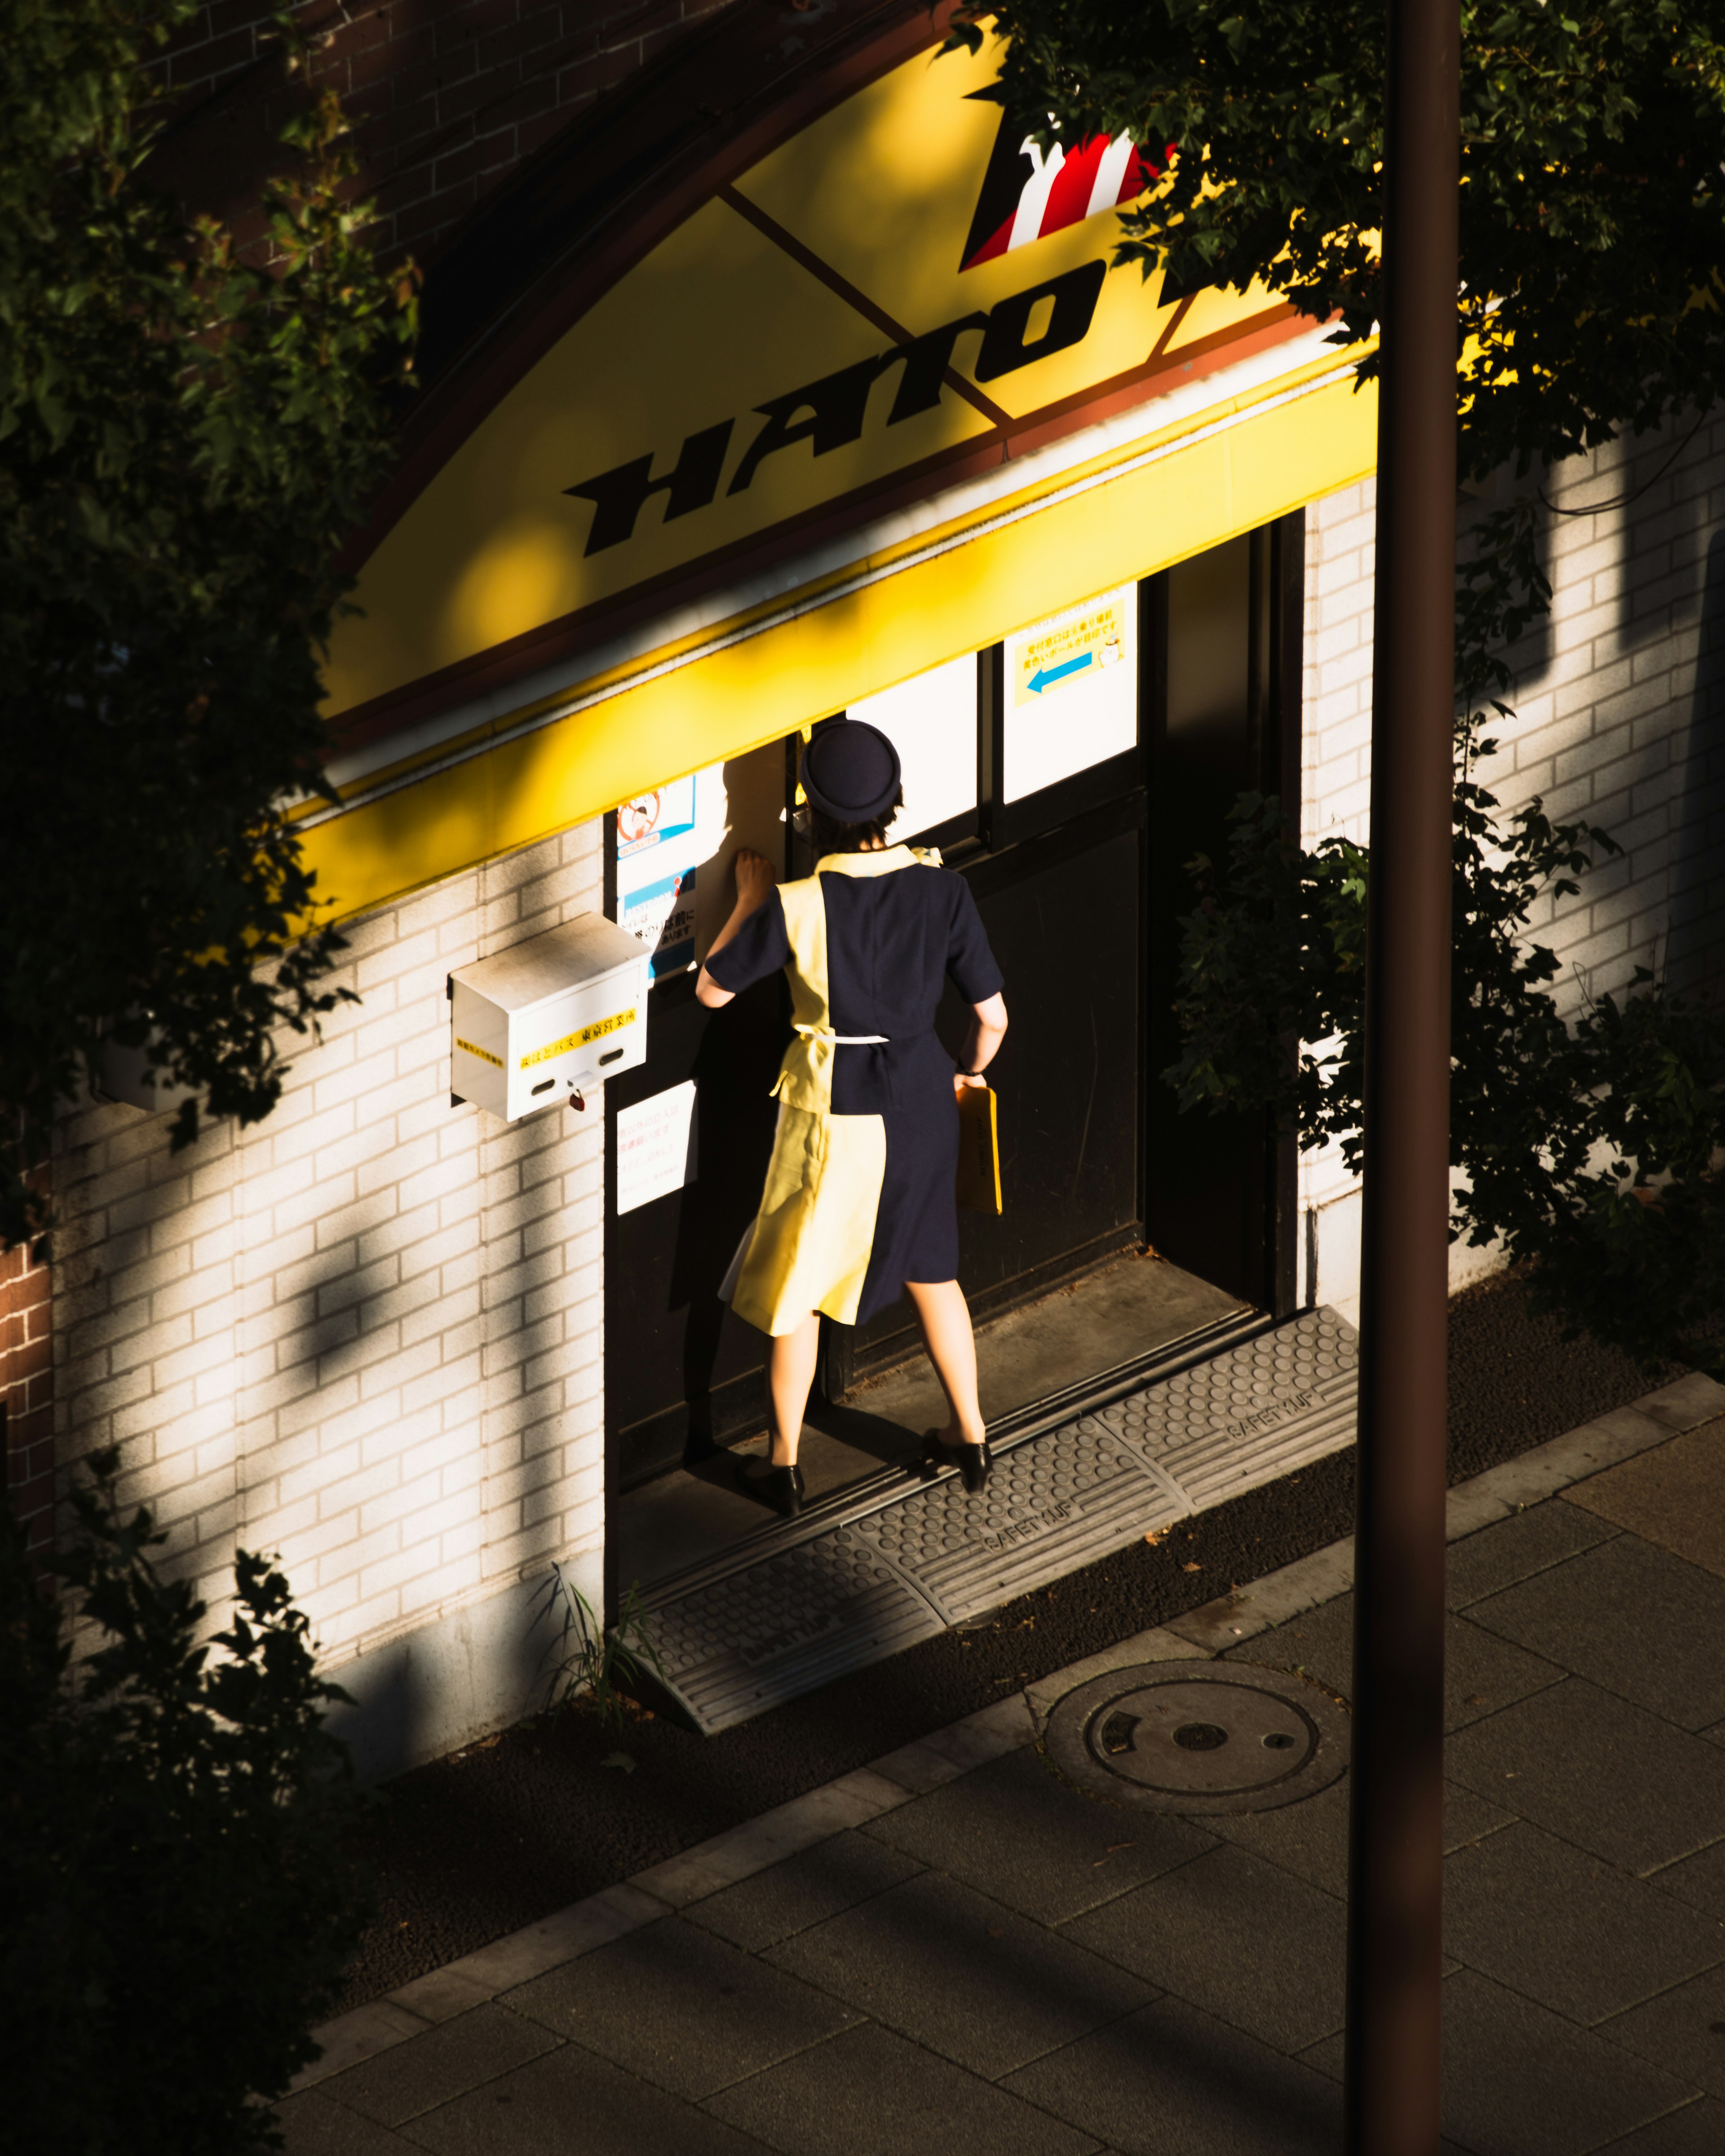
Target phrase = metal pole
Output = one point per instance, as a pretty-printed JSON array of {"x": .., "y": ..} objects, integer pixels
[{"x": 1395, "y": 1913}]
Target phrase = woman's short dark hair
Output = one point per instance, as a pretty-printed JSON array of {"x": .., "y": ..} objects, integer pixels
[{"x": 830, "y": 836}]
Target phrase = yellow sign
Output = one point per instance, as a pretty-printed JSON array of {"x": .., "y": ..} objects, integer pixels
[
  {"x": 484, "y": 1054},
  {"x": 596, "y": 1031},
  {"x": 1075, "y": 649},
  {"x": 899, "y": 291},
  {"x": 740, "y": 492}
]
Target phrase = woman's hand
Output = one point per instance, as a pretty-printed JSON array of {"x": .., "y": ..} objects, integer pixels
[
  {"x": 755, "y": 879},
  {"x": 754, "y": 886},
  {"x": 962, "y": 1081}
]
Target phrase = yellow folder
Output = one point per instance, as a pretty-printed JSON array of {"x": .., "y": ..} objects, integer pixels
[{"x": 978, "y": 1150}]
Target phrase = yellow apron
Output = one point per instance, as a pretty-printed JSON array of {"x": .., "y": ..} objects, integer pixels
[{"x": 810, "y": 1245}]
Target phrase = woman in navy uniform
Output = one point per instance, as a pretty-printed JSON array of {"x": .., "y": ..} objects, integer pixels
[{"x": 860, "y": 1204}]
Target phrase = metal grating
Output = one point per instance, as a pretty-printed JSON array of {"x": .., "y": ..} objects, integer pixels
[{"x": 895, "y": 1567}]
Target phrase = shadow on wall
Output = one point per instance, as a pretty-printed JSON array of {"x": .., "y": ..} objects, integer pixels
[
  {"x": 484, "y": 1666},
  {"x": 1659, "y": 567},
  {"x": 1529, "y": 660},
  {"x": 461, "y": 1671},
  {"x": 1695, "y": 959}
]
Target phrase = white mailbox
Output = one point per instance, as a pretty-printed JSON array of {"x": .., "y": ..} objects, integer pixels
[{"x": 555, "y": 1014}]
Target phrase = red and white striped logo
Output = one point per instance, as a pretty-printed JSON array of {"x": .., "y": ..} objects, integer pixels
[{"x": 1029, "y": 192}]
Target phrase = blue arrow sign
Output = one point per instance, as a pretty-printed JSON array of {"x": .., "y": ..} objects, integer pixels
[{"x": 1046, "y": 677}]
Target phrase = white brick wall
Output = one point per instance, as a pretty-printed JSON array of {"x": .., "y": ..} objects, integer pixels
[
  {"x": 1616, "y": 725},
  {"x": 367, "y": 1332}
]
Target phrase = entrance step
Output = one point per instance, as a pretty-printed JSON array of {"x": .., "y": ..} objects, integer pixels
[{"x": 898, "y": 1559}]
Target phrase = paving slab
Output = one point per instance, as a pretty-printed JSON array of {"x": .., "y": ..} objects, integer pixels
[
  {"x": 680, "y": 2007},
  {"x": 1481, "y": 1673},
  {"x": 933, "y": 1761},
  {"x": 1173, "y": 2080},
  {"x": 311, "y": 2125},
  {"x": 1318, "y": 1643},
  {"x": 1514, "y": 1549},
  {"x": 1683, "y": 2030},
  {"x": 1238, "y": 1937},
  {"x": 1592, "y": 1613},
  {"x": 962, "y": 1974},
  {"x": 374, "y": 2027},
  {"x": 1566, "y": 1929},
  {"x": 1698, "y": 2129},
  {"x": 1521, "y": 2081},
  {"x": 1468, "y": 1818},
  {"x": 803, "y": 1890},
  {"x": 1687, "y": 1401},
  {"x": 869, "y": 2093},
  {"x": 570, "y": 2102},
  {"x": 1674, "y": 1495},
  {"x": 581, "y": 1928},
  {"x": 1598, "y": 1771},
  {"x": 1243, "y": 1611},
  {"x": 441, "y": 1994},
  {"x": 1698, "y": 1880},
  {"x": 1530, "y": 1477},
  {"x": 1310, "y": 1839},
  {"x": 445, "y": 2062},
  {"x": 1015, "y": 1830},
  {"x": 742, "y": 1850}
]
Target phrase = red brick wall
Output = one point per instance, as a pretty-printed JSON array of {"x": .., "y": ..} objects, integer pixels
[
  {"x": 448, "y": 96},
  {"x": 27, "y": 1390}
]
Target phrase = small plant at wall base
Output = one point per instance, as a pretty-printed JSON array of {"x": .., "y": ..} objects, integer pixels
[
  {"x": 609, "y": 1665},
  {"x": 178, "y": 1907},
  {"x": 189, "y": 438}
]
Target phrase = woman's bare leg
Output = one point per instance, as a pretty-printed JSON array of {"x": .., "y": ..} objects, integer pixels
[
  {"x": 944, "y": 1316},
  {"x": 790, "y": 1371}
]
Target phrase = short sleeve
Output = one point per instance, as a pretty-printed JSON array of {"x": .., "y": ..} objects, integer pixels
[
  {"x": 969, "y": 961},
  {"x": 759, "y": 948}
]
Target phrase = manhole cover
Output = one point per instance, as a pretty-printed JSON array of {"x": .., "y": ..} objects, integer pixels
[{"x": 1198, "y": 1737}]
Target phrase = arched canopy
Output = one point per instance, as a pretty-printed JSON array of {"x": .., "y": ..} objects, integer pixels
[{"x": 740, "y": 410}]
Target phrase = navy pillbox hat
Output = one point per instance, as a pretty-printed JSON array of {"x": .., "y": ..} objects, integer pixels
[{"x": 850, "y": 772}]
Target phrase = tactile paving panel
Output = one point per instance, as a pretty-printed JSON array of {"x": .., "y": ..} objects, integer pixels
[
  {"x": 903, "y": 1566},
  {"x": 1250, "y": 1415},
  {"x": 782, "y": 1626},
  {"x": 1051, "y": 1505}
]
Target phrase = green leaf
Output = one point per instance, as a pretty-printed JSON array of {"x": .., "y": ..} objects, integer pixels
[{"x": 189, "y": 440}]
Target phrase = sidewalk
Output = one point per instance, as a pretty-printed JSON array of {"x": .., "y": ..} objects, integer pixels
[{"x": 952, "y": 1951}]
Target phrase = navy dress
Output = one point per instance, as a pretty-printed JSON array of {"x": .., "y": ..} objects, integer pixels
[{"x": 869, "y": 941}]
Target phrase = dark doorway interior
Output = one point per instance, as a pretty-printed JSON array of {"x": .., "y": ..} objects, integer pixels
[{"x": 1221, "y": 718}]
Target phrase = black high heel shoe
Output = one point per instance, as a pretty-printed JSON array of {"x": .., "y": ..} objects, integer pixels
[
  {"x": 972, "y": 1461},
  {"x": 780, "y": 1487}
]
